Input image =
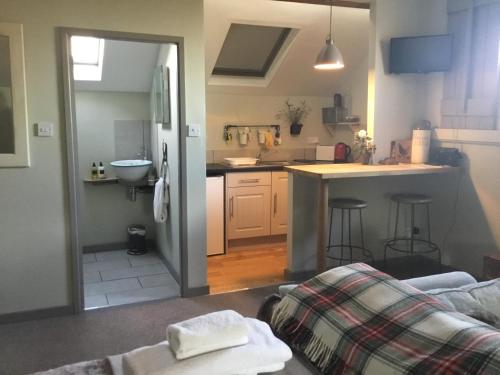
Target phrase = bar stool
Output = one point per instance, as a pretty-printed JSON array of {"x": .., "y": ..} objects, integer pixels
[
  {"x": 336, "y": 251},
  {"x": 425, "y": 246}
]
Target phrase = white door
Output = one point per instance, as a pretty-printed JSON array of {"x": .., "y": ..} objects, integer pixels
[{"x": 279, "y": 208}]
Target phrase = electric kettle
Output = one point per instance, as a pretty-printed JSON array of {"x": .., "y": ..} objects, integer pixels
[{"x": 342, "y": 152}]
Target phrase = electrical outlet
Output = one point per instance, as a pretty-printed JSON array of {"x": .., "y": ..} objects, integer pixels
[
  {"x": 44, "y": 129},
  {"x": 194, "y": 130}
]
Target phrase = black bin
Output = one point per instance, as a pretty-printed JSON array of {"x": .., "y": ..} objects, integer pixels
[{"x": 137, "y": 239}]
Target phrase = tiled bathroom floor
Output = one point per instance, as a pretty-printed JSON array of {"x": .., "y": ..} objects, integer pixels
[{"x": 116, "y": 278}]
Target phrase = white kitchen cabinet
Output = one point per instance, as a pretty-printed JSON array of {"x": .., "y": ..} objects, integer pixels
[
  {"x": 248, "y": 212},
  {"x": 279, "y": 209},
  {"x": 256, "y": 204}
]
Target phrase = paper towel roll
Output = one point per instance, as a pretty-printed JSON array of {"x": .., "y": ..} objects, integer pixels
[{"x": 420, "y": 144}]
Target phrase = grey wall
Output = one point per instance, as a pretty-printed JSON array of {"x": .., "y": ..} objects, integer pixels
[
  {"x": 105, "y": 133},
  {"x": 35, "y": 271},
  {"x": 168, "y": 233}
]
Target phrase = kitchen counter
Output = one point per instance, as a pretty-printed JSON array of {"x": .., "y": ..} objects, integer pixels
[
  {"x": 263, "y": 166},
  {"x": 220, "y": 168},
  {"x": 312, "y": 181},
  {"x": 329, "y": 171}
]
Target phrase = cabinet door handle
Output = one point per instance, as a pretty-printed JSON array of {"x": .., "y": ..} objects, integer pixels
[
  {"x": 248, "y": 180},
  {"x": 275, "y": 209},
  {"x": 231, "y": 207}
]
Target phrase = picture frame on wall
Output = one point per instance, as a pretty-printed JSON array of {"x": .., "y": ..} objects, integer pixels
[
  {"x": 14, "y": 142},
  {"x": 161, "y": 95}
]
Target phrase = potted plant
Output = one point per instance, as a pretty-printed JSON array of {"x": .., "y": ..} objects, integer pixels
[
  {"x": 366, "y": 146},
  {"x": 295, "y": 114}
]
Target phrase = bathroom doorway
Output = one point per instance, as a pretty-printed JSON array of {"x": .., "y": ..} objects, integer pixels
[{"x": 124, "y": 106}]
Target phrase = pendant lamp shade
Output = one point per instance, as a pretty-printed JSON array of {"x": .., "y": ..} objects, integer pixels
[{"x": 329, "y": 58}]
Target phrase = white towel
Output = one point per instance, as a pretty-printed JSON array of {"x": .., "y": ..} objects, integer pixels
[
  {"x": 161, "y": 200},
  {"x": 263, "y": 353},
  {"x": 218, "y": 330}
]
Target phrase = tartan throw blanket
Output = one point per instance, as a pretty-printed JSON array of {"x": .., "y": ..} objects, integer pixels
[{"x": 357, "y": 320}]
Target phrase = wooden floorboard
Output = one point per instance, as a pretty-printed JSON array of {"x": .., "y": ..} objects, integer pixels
[{"x": 244, "y": 268}]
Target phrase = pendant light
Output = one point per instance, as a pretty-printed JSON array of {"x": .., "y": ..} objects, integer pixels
[{"x": 329, "y": 58}]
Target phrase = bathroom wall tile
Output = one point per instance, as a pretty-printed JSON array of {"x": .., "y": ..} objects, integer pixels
[
  {"x": 112, "y": 286},
  {"x": 108, "y": 265},
  {"x": 89, "y": 258},
  {"x": 151, "y": 269},
  {"x": 157, "y": 280},
  {"x": 130, "y": 135},
  {"x": 141, "y": 295},
  {"x": 91, "y": 277},
  {"x": 91, "y": 302}
]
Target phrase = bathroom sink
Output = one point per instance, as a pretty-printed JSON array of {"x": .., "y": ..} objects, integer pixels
[{"x": 131, "y": 170}]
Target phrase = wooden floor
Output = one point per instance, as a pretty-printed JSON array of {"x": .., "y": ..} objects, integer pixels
[{"x": 244, "y": 268}]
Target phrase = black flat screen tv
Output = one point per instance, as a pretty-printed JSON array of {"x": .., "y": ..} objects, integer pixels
[{"x": 420, "y": 54}]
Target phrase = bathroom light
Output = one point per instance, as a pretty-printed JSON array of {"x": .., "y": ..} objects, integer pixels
[{"x": 329, "y": 58}]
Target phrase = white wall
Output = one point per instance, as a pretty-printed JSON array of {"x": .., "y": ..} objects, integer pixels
[
  {"x": 254, "y": 110},
  {"x": 34, "y": 235},
  {"x": 397, "y": 102},
  {"x": 168, "y": 233},
  {"x": 105, "y": 210}
]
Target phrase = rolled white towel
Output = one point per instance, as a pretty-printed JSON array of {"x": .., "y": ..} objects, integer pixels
[
  {"x": 263, "y": 353},
  {"x": 218, "y": 330}
]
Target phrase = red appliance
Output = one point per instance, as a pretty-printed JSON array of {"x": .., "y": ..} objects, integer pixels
[{"x": 342, "y": 152}]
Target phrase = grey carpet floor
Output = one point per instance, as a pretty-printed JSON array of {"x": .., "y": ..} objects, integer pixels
[{"x": 43, "y": 344}]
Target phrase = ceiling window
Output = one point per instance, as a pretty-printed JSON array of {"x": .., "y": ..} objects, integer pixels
[
  {"x": 250, "y": 50},
  {"x": 88, "y": 55}
]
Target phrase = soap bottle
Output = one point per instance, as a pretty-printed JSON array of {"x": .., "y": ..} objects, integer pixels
[
  {"x": 100, "y": 169},
  {"x": 94, "y": 173}
]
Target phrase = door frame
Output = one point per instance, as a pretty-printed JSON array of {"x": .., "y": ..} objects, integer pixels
[{"x": 64, "y": 36}]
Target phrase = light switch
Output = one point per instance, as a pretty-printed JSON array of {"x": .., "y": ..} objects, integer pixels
[
  {"x": 44, "y": 129},
  {"x": 194, "y": 130}
]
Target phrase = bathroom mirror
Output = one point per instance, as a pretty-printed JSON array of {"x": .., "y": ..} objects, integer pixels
[
  {"x": 13, "y": 125},
  {"x": 161, "y": 95}
]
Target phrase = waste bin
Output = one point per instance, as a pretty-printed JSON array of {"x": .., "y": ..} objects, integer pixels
[{"x": 137, "y": 239}]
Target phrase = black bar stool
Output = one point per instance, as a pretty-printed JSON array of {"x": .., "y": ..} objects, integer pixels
[
  {"x": 413, "y": 245},
  {"x": 336, "y": 251}
]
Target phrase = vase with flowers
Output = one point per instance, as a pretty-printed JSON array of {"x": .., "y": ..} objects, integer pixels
[
  {"x": 366, "y": 146},
  {"x": 295, "y": 114}
]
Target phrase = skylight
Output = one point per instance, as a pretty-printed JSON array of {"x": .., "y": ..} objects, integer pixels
[
  {"x": 88, "y": 55},
  {"x": 250, "y": 50}
]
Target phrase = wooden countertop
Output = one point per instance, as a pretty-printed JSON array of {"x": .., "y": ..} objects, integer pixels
[{"x": 349, "y": 170}]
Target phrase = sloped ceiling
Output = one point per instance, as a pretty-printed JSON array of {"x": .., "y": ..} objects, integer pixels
[
  {"x": 295, "y": 75},
  {"x": 127, "y": 67}
]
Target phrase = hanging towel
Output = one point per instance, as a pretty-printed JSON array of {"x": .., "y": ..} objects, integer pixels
[
  {"x": 161, "y": 200},
  {"x": 263, "y": 353},
  {"x": 218, "y": 330},
  {"x": 269, "y": 140}
]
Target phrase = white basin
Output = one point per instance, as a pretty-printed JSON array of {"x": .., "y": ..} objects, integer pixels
[{"x": 131, "y": 170}]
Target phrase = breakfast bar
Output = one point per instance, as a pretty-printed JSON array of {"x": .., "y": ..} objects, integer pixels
[{"x": 307, "y": 179}]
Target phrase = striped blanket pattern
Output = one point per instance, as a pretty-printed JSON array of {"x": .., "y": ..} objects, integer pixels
[{"x": 357, "y": 320}]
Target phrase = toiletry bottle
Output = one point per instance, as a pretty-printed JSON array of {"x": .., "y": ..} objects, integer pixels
[
  {"x": 102, "y": 175},
  {"x": 93, "y": 173}
]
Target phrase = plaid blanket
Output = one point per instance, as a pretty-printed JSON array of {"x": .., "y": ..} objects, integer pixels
[{"x": 357, "y": 320}]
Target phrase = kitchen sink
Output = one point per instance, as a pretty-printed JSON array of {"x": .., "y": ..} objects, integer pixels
[{"x": 278, "y": 162}]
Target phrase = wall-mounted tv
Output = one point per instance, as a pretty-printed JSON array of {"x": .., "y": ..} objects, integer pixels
[{"x": 421, "y": 54}]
